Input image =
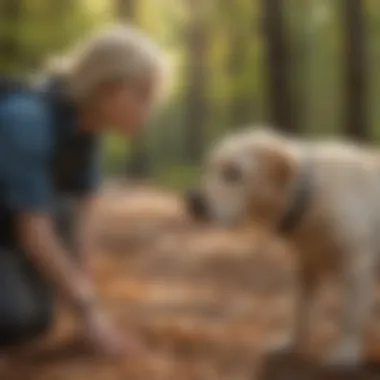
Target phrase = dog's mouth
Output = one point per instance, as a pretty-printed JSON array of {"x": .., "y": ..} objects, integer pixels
[{"x": 200, "y": 210}]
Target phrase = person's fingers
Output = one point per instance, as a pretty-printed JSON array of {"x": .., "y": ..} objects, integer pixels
[{"x": 114, "y": 344}]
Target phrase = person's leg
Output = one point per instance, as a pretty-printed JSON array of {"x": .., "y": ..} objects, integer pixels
[{"x": 25, "y": 300}]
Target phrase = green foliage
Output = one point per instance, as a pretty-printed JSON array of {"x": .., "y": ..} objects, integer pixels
[
  {"x": 236, "y": 70},
  {"x": 41, "y": 29}
]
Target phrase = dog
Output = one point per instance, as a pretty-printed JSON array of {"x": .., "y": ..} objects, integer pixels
[{"x": 323, "y": 197}]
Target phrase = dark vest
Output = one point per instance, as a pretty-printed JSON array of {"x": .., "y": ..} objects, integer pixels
[{"x": 72, "y": 149}]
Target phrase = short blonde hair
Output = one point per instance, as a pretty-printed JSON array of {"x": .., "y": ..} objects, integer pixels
[{"x": 117, "y": 53}]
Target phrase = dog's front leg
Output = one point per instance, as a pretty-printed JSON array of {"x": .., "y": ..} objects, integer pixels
[
  {"x": 358, "y": 279},
  {"x": 294, "y": 341}
]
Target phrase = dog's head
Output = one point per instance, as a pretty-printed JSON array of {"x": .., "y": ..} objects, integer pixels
[{"x": 246, "y": 178}]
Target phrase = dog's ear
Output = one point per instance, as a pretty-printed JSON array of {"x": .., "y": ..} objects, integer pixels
[{"x": 282, "y": 166}]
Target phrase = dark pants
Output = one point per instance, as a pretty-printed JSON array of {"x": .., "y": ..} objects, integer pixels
[{"x": 26, "y": 300}]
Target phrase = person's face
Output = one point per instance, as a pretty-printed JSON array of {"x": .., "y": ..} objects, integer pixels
[{"x": 123, "y": 107}]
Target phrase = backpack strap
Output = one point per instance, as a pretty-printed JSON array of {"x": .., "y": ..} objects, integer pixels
[{"x": 73, "y": 152}]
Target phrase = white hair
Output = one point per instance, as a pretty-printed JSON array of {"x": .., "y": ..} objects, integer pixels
[{"x": 117, "y": 53}]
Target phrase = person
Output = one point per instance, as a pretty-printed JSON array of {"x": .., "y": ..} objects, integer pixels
[{"x": 49, "y": 154}]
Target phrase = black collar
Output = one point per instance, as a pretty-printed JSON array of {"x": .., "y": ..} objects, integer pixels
[{"x": 299, "y": 202}]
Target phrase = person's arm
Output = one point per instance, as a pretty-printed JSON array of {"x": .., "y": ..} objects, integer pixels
[
  {"x": 25, "y": 156},
  {"x": 37, "y": 238},
  {"x": 25, "y": 153},
  {"x": 84, "y": 231}
]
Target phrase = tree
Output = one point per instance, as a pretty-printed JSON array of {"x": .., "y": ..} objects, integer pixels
[
  {"x": 125, "y": 10},
  {"x": 356, "y": 117},
  {"x": 301, "y": 45},
  {"x": 11, "y": 13},
  {"x": 33, "y": 31},
  {"x": 239, "y": 41},
  {"x": 196, "y": 39},
  {"x": 279, "y": 90}
]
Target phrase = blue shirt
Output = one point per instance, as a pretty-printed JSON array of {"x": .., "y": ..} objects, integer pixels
[{"x": 43, "y": 154}]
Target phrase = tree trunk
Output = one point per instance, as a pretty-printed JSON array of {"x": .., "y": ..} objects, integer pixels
[
  {"x": 299, "y": 74},
  {"x": 356, "y": 117},
  {"x": 196, "y": 41},
  {"x": 10, "y": 13},
  {"x": 279, "y": 90},
  {"x": 241, "y": 104},
  {"x": 138, "y": 160},
  {"x": 125, "y": 10}
]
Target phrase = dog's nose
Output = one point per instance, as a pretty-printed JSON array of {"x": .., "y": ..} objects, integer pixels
[{"x": 196, "y": 204}]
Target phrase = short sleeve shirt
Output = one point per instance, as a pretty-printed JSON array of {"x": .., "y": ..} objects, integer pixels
[{"x": 43, "y": 154}]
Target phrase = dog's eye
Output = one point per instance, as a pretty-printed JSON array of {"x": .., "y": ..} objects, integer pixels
[{"x": 231, "y": 174}]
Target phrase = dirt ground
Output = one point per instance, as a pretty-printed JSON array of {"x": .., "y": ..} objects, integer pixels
[{"x": 202, "y": 300}]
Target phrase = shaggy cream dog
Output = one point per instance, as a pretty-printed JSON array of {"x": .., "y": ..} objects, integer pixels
[{"x": 324, "y": 197}]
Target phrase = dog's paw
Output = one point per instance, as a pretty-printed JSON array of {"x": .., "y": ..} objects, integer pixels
[{"x": 346, "y": 354}]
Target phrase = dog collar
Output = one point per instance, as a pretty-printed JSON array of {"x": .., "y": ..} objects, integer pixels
[{"x": 299, "y": 202}]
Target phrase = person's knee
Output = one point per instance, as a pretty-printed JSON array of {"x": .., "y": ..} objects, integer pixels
[
  {"x": 41, "y": 320},
  {"x": 24, "y": 322}
]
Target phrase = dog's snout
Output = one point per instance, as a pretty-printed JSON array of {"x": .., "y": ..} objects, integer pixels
[{"x": 196, "y": 204}]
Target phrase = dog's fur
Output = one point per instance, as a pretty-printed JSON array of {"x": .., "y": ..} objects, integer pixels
[{"x": 251, "y": 177}]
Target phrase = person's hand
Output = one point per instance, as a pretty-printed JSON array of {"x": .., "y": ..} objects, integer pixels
[
  {"x": 107, "y": 341},
  {"x": 104, "y": 339}
]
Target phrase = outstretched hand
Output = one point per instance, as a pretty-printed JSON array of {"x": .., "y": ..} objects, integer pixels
[{"x": 106, "y": 340}]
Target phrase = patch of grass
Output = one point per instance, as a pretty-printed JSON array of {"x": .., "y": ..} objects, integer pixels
[{"x": 178, "y": 177}]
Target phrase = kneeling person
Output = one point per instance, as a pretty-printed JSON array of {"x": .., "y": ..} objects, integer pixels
[{"x": 49, "y": 151}]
